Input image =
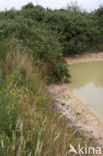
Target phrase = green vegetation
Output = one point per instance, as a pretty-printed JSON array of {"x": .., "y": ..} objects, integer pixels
[
  {"x": 50, "y": 35},
  {"x": 33, "y": 42},
  {"x": 28, "y": 124},
  {"x": 27, "y": 26}
]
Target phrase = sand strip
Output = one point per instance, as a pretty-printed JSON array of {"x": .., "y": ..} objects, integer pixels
[{"x": 88, "y": 57}]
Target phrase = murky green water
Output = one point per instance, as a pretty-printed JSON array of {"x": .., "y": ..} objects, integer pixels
[{"x": 87, "y": 83}]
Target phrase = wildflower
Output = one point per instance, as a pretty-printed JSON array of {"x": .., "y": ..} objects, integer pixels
[
  {"x": 19, "y": 90},
  {"x": 61, "y": 90},
  {"x": 14, "y": 94}
]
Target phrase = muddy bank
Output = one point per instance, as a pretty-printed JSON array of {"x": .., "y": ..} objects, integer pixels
[
  {"x": 75, "y": 109},
  {"x": 79, "y": 113}
]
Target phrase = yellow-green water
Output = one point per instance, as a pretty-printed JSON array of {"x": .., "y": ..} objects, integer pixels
[{"x": 87, "y": 83}]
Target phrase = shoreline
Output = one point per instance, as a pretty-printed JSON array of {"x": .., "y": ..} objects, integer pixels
[
  {"x": 88, "y": 57},
  {"x": 80, "y": 114}
]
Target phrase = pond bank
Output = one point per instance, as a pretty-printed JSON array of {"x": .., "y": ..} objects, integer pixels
[
  {"x": 88, "y": 57},
  {"x": 75, "y": 109}
]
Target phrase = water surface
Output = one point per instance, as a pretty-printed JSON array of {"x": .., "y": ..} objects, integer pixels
[{"x": 87, "y": 83}]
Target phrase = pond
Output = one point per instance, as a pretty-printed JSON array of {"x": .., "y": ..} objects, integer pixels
[{"x": 87, "y": 83}]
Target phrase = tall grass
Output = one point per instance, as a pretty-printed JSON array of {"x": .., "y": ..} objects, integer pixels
[{"x": 27, "y": 128}]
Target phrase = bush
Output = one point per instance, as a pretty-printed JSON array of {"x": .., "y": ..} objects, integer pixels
[
  {"x": 28, "y": 6},
  {"x": 51, "y": 34},
  {"x": 43, "y": 43},
  {"x": 4, "y": 48},
  {"x": 77, "y": 31}
]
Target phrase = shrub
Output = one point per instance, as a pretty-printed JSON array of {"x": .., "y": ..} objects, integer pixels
[
  {"x": 51, "y": 34},
  {"x": 77, "y": 31},
  {"x": 28, "y": 6},
  {"x": 43, "y": 43}
]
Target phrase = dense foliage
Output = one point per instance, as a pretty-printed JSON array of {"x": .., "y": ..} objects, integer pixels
[
  {"x": 52, "y": 34},
  {"x": 78, "y": 31},
  {"x": 27, "y": 27}
]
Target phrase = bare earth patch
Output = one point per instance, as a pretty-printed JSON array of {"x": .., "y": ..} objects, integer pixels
[
  {"x": 75, "y": 109},
  {"x": 89, "y": 57}
]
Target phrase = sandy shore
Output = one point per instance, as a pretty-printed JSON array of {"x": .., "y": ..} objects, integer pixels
[
  {"x": 89, "y": 57},
  {"x": 75, "y": 109}
]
